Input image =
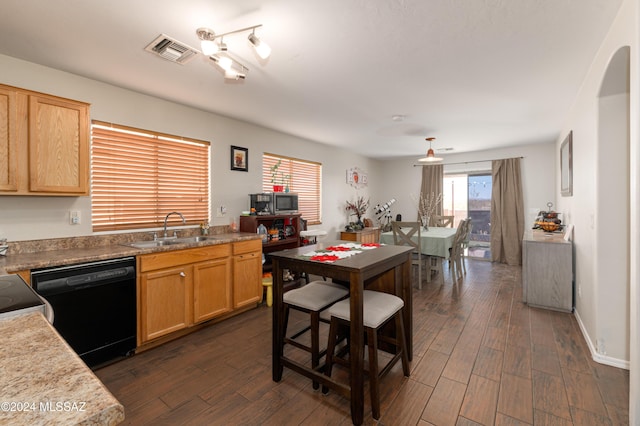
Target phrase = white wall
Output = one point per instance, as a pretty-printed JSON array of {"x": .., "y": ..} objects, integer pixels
[
  {"x": 401, "y": 180},
  {"x": 602, "y": 319},
  {"x": 25, "y": 218}
]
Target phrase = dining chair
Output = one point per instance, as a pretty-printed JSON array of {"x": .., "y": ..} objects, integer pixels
[
  {"x": 456, "y": 261},
  {"x": 403, "y": 235},
  {"x": 378, "y": 309},
  {"x": 443, "y": 221},
  {"x": 312, "y": 298}
]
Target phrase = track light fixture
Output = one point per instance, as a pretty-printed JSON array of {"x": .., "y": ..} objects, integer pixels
[
  {"x": 232, "y": 68},
  {"x": 431, "y": 157}
]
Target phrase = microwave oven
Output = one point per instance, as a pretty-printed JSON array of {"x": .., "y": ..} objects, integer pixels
[
  {"x": 284, "y": 202},
  {"x": 274, "y": 203}
]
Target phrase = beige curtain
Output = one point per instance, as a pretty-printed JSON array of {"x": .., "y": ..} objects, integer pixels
[
  {"x": 507, "y": 212},
  {"x": 432, "y": 185}
]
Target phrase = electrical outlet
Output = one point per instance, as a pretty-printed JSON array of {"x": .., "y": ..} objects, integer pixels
[
  {"x": 221, "y": 211},
  {"x": 74, "y": 217},
  {"x": 580, "y": 291}
]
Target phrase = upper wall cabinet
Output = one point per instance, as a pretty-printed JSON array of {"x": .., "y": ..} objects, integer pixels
[{"x": 44, "y": 144}]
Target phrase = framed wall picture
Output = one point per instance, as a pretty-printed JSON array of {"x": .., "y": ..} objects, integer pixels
[
  {"x": 566, "y": 166},
  {"x": 239, "y": 158}
]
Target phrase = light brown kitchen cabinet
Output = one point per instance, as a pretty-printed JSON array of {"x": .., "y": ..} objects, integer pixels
[
  {"x": 44, "y": 144},
  {"x": 247, "y": 273},
  {"x": 8, "y": 139},
  {"x": 181, "y": 288},
  {"x": 165, "y": 303},
  {"x": 211, "y": 289}
]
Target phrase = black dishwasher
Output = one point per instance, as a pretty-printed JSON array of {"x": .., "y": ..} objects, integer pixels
[{"x": 94, "y": 305}]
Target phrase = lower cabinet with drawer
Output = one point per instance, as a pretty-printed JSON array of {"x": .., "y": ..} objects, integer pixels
[{"x": 182, "y": 288}]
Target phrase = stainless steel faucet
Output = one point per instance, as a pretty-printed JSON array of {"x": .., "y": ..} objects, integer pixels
[{"x": 167, "y": 217}]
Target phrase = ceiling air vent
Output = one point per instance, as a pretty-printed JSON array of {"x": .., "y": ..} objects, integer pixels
[{"x": 171, "y": 49}]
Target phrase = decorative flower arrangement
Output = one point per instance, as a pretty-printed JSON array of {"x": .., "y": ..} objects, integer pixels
[
  {"x": 427, "y": 205},
  {"x": 358, "y": 209}
]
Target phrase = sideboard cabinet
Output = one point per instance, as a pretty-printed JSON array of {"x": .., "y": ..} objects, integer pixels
[
  {"x": 547, "y": 271},
  {"x": 366, "y": 235}
]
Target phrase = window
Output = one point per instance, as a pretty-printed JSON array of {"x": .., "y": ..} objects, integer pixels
[
  {"x": 138, "y": 176},
  {"x": 305, "y": 179},
  {"x": 468, "y": 195}
]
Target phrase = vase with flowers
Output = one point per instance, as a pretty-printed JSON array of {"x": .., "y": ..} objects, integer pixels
[
  {"x": 358, "y": 209},
  {"x": 427, "y": 205},
  {"x": 277, "y": 179}
]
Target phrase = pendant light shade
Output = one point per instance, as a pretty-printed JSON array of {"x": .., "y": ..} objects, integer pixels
[{"x": 431, "y": 156}]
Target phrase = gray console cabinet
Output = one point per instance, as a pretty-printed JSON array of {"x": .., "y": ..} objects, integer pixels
[{"x": 547, "y": 271}]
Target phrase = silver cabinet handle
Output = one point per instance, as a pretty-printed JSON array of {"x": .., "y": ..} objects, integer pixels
[{"x": 182, "y": 274}]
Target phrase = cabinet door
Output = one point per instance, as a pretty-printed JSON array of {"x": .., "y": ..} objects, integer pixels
[
  {"x": 8, "y": 144},
  {"x": 58, "y": 146},
  {"x": 247, "y": 279},
  {"x": 165, "y": 302},
  {"x": 211, "y": 289}
]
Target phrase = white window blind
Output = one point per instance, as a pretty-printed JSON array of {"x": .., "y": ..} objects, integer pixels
[
  {"x": 139, "y": 176},
  {"x": 305, "y": 179}
]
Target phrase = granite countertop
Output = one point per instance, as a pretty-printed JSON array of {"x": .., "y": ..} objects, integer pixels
[
  {"x": 44, "y": 382},
  {"x": 48, "y": 253}
]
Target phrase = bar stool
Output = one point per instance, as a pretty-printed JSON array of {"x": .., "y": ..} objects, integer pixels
[
  {"x": 378, "y": 309},
  {"x": 312, "y": 298}
]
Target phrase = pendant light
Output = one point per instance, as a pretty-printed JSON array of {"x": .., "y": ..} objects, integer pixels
[{"x": 431, "y": 156}]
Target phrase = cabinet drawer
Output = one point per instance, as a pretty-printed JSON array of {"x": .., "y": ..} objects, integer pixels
[
  {"x": 247, "y": 246},
  {"x": 149, "y": 262}
]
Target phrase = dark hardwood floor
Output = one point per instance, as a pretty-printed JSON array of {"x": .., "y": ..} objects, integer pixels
[{"x": 480, "y": 357}]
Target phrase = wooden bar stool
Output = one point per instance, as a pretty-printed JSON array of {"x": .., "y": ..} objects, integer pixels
[
  {"x": 312, "y": 299},
  {"x": 378, "y": 309}
]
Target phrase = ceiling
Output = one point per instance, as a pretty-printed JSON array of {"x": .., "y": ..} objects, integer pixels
[{"x": 475, "y": 74}]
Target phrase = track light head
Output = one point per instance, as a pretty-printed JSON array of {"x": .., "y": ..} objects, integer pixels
[
  {"x": 262, "y": 49},
  {"x": 207, "y": 41}
]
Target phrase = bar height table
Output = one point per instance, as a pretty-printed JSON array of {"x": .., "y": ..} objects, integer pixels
[{"x": 386, "y": 268}]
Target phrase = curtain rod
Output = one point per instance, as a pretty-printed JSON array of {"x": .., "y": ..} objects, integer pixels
[{"x": 466, "y": 162}]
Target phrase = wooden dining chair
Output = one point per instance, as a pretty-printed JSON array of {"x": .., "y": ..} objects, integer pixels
[
  {"x": 403, "y": 233},
  {"x": 443, "y": 221},
  {"x": 456, "y": 261}
]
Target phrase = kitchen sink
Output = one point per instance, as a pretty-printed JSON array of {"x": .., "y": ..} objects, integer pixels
[{"x": 171, "y": 241}]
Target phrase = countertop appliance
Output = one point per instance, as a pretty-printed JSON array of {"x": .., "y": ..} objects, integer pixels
[
  {"x": 274, "y": 203},
  {"x": 16, "y": 298},
  {"x": 94, "y": 305}
]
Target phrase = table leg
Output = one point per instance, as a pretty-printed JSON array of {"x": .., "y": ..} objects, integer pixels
[
  {"x": 356, "y": 350},
  {"x": 276, "y": 323}
]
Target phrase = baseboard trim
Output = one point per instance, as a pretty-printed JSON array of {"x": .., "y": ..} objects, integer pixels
[{"x": 599, "y": 358}]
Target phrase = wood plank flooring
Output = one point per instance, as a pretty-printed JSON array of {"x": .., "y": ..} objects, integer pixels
[{"x": 481, "y": 357}]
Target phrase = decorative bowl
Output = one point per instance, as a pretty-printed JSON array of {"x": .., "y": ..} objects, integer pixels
[{"x": 549, "y": 226}]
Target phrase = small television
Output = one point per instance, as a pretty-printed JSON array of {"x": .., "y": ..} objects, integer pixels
[{"x": 284, "y": 202}]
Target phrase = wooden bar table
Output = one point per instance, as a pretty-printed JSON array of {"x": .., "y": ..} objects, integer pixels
[{"x": 386, "y": 268}]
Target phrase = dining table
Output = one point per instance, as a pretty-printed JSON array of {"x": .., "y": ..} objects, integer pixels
[
  {"x": 435, "y": 241},
  {"x": 376, "y": 267}
]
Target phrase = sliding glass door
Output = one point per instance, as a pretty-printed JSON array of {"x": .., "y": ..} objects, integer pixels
[{"x": 469, "y": 195}]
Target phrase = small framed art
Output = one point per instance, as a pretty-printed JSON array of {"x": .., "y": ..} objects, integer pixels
[
  {"x": 239, "y": 159},
  {"x": 566, "y": 166}
]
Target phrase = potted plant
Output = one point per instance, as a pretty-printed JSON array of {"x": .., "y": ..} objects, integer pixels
[
  {"x": 358, "y": 209},
  {"x": 275, "y": 181}
]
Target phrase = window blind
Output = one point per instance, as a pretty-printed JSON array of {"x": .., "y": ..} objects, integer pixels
[
  {"x": 139, "y": 176},
  {"x": 305, "y": 179}
]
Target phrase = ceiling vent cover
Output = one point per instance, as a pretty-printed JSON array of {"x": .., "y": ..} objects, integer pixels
[{"x": 171, "y": 49}]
